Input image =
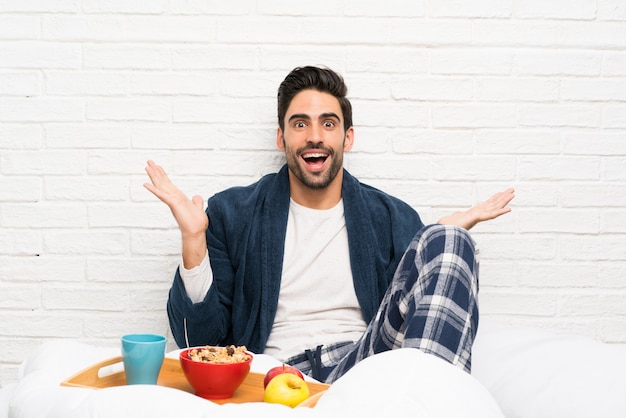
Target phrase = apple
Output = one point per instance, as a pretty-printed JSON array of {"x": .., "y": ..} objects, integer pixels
[
  {"x": 275, "y": 371},
  {"x": 286, "y": 389}
]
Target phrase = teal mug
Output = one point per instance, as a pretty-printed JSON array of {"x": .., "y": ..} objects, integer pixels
[{"x": 143, "y": 355}]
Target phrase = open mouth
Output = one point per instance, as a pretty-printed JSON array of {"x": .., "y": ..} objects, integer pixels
[{"x": 314, "y": 159}]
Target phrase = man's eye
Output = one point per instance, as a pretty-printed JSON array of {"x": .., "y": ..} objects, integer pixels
[
  {"x": 299, "y": 124},
  {"x": 329, "y": 124}
]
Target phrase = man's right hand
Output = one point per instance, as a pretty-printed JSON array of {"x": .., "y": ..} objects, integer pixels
[{"x": 189, "y": 214}]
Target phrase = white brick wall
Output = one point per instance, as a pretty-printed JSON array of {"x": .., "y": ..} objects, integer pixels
[{"x": 453, "y": 100}]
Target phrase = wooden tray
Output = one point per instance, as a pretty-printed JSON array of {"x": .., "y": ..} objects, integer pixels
[{"x": 171, "y": 375}]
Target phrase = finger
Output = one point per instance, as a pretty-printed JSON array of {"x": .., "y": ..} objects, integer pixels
[
  {"x": 151, "y": 166},
  {"x": 155, "y": 169},
  {"x": 150, "y": 173},
  {"x": 501, "y": 212},
  {"x": 495, "y": 213},
  {"x": 198, "y": 201},
  {"x": 160, "y": 170},
  {"x": 507, "y": 197},
  {"x": 151, "y": 170},
  {"x": 158, "y": 177},
  {"x": 502, "y": 198},
  {"x": 509, "y": 193},
  {"x": 150, "y": 187}
]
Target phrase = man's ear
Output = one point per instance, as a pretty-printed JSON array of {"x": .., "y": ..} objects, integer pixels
[
  {"x": 280, "y": 141},
  {"x": 349, "y": 139}
]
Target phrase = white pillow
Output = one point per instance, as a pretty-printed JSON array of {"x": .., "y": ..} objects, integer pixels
[
  {"x": 535, "y": 374},
  {"x": 38, "y": 393},
  {"x": 407, "y": 382},
  {"x": 6, "y": 393},
  {"x": 62, "y": 358}
]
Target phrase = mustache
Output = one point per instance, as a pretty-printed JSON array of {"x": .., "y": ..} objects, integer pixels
[{"x": 315, "y": 147}]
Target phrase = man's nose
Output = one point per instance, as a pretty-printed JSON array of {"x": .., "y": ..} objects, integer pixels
[{"x": 315, "y": 134}]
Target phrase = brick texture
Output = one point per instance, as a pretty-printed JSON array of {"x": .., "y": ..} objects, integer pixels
[{"x": 453, "y": 101}]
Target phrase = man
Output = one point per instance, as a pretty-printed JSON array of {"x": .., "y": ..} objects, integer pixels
[{"x": 313, "y": 267}]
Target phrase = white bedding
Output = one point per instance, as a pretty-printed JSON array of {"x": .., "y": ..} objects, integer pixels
[
  {"x": 516, "y": 373},
  {"x": 535, "y": 374}
]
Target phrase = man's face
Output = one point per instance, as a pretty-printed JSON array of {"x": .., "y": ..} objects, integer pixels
[{"x": 314, "y": 139}]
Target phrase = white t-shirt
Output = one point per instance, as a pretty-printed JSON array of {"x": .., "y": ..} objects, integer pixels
[{"x": 317, "y": 302}]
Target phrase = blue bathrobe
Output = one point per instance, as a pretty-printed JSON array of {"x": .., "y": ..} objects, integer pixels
[{"x": 246, "y": 240}]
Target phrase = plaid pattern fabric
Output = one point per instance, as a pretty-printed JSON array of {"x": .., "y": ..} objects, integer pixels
[
  {"x": 319, "y": 363},
  {"x": 431, "y": 305}
]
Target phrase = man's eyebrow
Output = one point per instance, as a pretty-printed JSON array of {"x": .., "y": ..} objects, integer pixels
[
  {"x": 330, "y": 115},
  {"x": 307, "y": 117},
  {"x": 299, "y": 116}
]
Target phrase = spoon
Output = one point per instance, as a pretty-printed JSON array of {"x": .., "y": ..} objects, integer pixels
[{"x": 186, "y": 336}]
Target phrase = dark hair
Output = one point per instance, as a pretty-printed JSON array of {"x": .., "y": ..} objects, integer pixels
[{"x": 313, "y": 78}]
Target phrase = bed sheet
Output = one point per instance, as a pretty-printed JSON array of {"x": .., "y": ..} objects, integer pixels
[
  {"x": 533, "y": 373},
  {"x": 404, "y": 382},
  {"x": 517, "y": 372}
]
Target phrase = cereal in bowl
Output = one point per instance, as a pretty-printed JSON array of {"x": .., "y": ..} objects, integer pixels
[{"x": 220, "y": 355}]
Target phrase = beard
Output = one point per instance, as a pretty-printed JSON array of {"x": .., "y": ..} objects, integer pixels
[{"x": 319, "y": 180}]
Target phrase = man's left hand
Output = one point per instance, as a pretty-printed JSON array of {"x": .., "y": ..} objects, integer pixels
[{"x": 491, "y": 208}]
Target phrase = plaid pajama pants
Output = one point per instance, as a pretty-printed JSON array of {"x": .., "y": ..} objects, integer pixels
[{"x": 431, "y": 304}]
